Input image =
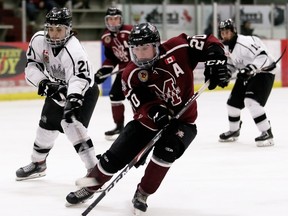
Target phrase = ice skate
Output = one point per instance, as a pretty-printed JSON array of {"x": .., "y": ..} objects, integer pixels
[
  {"x": 31, "y": 171},
  {"x": 113, "y": 134},
  {"x": 139, "y": 203},
  {"x": 230, "y": 136},
  {"x": 265, "y": 139},
  {"x": 79, "y": 196}
]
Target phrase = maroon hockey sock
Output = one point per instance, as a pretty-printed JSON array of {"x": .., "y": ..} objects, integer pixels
[
  {"x": 154, "y": 174},
  {"x": 118, "y": 113},
  {"x": 100, "y": 177}
]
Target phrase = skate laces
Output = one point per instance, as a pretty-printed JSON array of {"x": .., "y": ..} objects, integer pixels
[
  {"x": 228, "y": 133},
  {"x": 29, "y": 167},
  {"x": 140, "y": 197},
  {"x": 82, "y": 193}
]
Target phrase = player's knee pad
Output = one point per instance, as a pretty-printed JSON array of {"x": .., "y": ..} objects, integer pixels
[
  {"x": 44, "y": 142},
  {"x": 110, "y": 163},
  {"x": 45, "y": 138},
  {"x": 250, "y": 103},
  {"x": 75, "y": 131},
  {"x": 174, "y": 141},
  {"x": 169, "y": 151},
  {"x": 254, "y": 107}
]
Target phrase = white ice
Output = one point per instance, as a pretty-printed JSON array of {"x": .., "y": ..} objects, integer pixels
[{"x": 211, "y": 179}]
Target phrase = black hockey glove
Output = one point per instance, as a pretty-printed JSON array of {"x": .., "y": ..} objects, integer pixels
[
  {"x": 160, "y": 116},
  {"x": 100, "y": 73},
  {"x": 54, "y": 90},
  {"x": 217, "y": 72},
  {"x": 247, "y": 72},
  {"x": 72, "y": 107}
]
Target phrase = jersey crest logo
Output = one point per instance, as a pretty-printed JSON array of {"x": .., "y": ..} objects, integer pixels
[
  {"x": 107, "y": 39},
  {"x": 143, "y": 75},
  {"x": 45, "y": 56},
  {"x": 119, "y": 51},
  {"x": 57, "y": 72},
  {"x": 170, "y": 60}
]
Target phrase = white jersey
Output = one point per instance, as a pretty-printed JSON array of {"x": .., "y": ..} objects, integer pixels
[
  {"x": 249, "y": 50},
  {"x": 70, "y": 66}
]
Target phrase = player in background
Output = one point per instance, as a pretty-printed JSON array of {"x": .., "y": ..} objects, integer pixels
[
  {"x": 253, "y": 84},
  {"x": 59, "y": 67},
  {"x": 158, "y": 82},
  {"x": 116, "y": 48}
]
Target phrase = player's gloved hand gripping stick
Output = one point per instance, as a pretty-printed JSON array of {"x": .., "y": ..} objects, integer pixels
[{"x": 86, "y": 182}]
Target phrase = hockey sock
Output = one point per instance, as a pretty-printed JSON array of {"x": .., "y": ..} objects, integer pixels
[
  {"x": 154, "y": 174},
  {"x": 118, "y": 113},
  {"x": 100, "y": 175}
]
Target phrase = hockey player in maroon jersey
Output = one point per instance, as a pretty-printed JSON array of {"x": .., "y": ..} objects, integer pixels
[
  {"x": 158, "y": 82},
  {"x": 114, "y": 40}
]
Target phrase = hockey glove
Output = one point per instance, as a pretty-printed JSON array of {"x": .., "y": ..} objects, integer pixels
[
  {"x": 72, "y": 107},
  {"x": 54, "y": 90},
  {"x": 217, "y": 72},
  {"x": 100, "y": 73},
  {"x": 247, "y": 72},
  {"x": 160, "y": 116}
]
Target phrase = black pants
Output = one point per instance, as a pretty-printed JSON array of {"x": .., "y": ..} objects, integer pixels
[
  {"x": 258, "y": 88},
  {"x": 135, "y": 137},
  {"x": 52, "y": 113}
]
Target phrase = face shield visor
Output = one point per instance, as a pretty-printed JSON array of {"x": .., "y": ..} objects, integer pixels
[
  {"x": 56, "y": 35},
  {"x": 113, "y": 22},
  {"x": 144, "y": 55}
]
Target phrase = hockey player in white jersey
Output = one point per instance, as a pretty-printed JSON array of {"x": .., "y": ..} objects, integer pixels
[
  {"x": 59, "y": 67},
  {"x": 249, "y": 57}
]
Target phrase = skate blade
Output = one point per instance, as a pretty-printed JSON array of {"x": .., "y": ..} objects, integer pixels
[
  {"x": 265, "y": 143},
  {"x": 86, "y": 182},
  {"x": 33, "y": 176},
  {"x": 231, "y": 139},
  {"x": 138, "y": 212}
]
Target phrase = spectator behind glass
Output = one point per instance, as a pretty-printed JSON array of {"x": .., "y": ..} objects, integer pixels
[
  {"x": 33, "y": 8},
  {"x": 79, "y": 4},
  {"x": 246, "y": 28}
]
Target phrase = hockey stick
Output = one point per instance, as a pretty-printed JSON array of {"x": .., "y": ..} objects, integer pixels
[
  {"x": 110, "y": 74},
  {"x": 144, "y": 150}
]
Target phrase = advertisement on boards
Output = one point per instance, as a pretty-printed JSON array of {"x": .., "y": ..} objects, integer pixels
[{"x": 12, "y": 64}]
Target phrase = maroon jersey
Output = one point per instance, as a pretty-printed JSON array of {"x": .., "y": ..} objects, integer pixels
[
  {"x": 170, "y": 82},
  {"x": 116, "y": 47}
]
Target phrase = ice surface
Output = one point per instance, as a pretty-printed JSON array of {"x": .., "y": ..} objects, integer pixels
[{"x": 211, "y": 179}]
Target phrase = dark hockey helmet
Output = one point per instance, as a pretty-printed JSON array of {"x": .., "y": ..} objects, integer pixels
[
  {"x": 111, "y": 12},
  {"x": 227, "y": 24},
  {"x": 144, "y": 33},
  {"x": 58, "y": 17}
]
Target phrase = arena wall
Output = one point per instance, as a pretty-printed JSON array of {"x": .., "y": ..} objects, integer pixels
[{"x": 13, "y": 60}]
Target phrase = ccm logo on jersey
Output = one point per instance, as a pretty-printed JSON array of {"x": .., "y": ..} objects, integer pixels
[{"x": 215, "y": 62}]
